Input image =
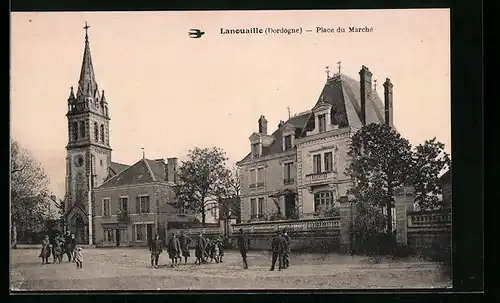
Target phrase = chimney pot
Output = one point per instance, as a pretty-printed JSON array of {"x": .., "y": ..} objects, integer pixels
[
  {"x": 365, "y": 82},
  {"x": 262, "y": 125},
  {"x": 171, "y": 170},
  {"x": 388, "y": 102}
]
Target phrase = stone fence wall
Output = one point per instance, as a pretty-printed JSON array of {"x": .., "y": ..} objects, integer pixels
[{"x": 429, "y": 229}]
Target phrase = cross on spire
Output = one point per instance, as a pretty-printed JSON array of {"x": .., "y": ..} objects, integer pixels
[
  {"x": 86, "y": 27},
  {"x": 339, "y": 66},
  {"x": 327, "y": 69}
]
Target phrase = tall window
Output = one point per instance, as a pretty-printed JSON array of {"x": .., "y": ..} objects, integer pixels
[
  {"x": 255, "y": 150},
  {"x": 96, "y": 131},
  {"x": 288, "y": 142},
  {"x": 322, "y": 123},
  {"x": 106, "y": 207},
  {"x": 124, "y": 204},
  {"x": 328, "y": 161},
  {"x": 288, "y": 172},
  {"x": 316, "y": 164},
  {"x": 109, "y": 235},
  {"x": 82, "y": 129},
  {"x": 139, "y": 231},
  {"x": 260, "y": 175},
  {"x": 74, "y": 129},
  {"x": 323, "y": 200},
  {"x": 253, "y": 207},
  {"x": 253, "y": 176},
  {"x": 261, "y": 207},
  {"x": 142, "y": 205},
  {"x": 102, "y": 133}
]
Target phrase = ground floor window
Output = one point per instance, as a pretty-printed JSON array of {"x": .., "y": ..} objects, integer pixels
[
  {"x": 143, "y": 231},
  {"x": 323, "y": 200},
  {"x": 139, "y": 231},
  {"x": 109, "y": 235}
]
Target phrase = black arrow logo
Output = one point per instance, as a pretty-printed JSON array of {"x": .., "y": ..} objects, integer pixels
[{"x": 195, "y": 33}]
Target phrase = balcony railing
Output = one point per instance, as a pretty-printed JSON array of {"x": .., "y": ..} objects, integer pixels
[
  {"x": 288, "y": 181},
  {"x": 320, "y": 177},
  {"x": 289, "y": 225},
  {"x": 123, "y": 216},
  {"x": 429, "y": 219}
]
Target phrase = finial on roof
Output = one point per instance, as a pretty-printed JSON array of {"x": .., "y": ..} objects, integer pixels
[
  {"x": 375, "y": 84},
  {"x": 339, "y": 66},
  {"x": 143, "y": 153},
  {"x": 289, "y": 114},
  {"x": 327, "y": 69},
  {"x": 86, "y": 27}
]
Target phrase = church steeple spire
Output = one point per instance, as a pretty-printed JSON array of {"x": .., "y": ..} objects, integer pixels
[{"x": 87, "y": 85}]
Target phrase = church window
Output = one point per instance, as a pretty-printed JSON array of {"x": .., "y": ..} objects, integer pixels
[
  {"x": 102, "y": 133},
  {"x": 323, "y": 200},
  {"x": 96, "y": 131},
  {"x": 74, "y": 130},
  {"x": 82, "y": 129}
]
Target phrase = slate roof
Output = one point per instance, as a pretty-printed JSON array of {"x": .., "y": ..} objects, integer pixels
[
  {"x": 344, "y": 94},
  {"x": 143, "y": 171}
]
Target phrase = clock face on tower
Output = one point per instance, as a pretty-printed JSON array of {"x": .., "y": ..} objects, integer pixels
[{"x": 79, "y": 161}]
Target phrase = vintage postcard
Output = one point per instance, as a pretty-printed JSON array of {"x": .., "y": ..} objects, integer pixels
[{"x": 248, "y": 150}]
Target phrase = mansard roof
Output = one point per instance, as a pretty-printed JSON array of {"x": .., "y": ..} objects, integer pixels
[
  {"x": 344, "y": 95},
  {"x": 143, "y": 171}
]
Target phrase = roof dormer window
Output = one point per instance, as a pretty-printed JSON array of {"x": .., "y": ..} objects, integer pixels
[
  {"x": 322, "y": 123},
  {"x": 256, "y": 150},
  {"x": 287, "y": 142}
]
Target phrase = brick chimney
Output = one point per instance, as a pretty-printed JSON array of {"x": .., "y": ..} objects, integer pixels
[
  {"x": 365, "y": 82},
  {"x": 281, "y": 123},
  {"x": 262, "y": 125},
  {"x": 388, "y": 102},
  {"x": 171, "y": 170}
]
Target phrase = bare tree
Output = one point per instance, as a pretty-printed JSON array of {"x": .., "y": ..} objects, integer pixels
[{"x": 29, "y": 190}]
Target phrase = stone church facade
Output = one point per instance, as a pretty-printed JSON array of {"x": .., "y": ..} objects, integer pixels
[{"x": 297, "y": 171}]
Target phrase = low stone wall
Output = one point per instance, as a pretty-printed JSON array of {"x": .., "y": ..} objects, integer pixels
[{"x": 429, "y": 230}]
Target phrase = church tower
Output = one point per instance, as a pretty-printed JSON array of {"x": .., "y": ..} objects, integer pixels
[{"x": 88, "y": 151}]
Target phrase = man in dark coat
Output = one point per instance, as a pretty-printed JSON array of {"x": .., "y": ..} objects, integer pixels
[
  {"x": 67, "y": 245},
  {"x": 243, "y": 246},
  {"x": 73, "y": 246},
  {"x": 184, "y": 242},
  {"x": 54, "y": 239},
  {"x": 220, "y": 244},
  {"x": 174, "y": 249},
  {"x": 286, "y": 249},
  {"x": 155, "y": 248},
  {"x": 277, "y": 250},
  {"x": 201, "y": 247}
]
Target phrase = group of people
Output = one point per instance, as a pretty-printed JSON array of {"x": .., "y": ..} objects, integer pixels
[
  {"x": 60, "y": 245},
  {"x": 280, "y": 249},
  {"x": 178, "y": 247}
]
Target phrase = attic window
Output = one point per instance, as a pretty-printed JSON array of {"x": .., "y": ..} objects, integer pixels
[
  {"x": 322, "y": 123},
  {"x": 288, "y": 142},
  {"x": 255, "y": 150}
]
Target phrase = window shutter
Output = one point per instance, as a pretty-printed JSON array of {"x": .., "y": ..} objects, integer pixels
[{"x": 137, "y": 205}]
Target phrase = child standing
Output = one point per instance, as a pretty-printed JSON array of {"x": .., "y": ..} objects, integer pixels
[{"x": 78, "y": 257}]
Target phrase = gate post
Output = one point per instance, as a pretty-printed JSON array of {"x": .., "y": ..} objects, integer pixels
[
  {"x": 345, "y": 224},
  {"x": 403, "y": 202}
]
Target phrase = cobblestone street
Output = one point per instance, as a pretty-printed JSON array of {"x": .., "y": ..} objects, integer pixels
[{"x": 128, "y": 269}]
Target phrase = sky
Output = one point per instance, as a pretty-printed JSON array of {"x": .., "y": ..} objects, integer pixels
[{"x": 168, "y": 93}]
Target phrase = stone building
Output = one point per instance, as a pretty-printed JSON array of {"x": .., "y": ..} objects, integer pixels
[
  {"x": 298, "y": 170},
  {"x": 139, "y": 202}
]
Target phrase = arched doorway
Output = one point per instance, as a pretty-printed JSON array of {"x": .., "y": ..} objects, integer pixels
[{"x": 79, "y": 229}]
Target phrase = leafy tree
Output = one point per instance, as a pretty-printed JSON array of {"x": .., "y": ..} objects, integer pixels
[
  {"x": 202, "y": 180},
  {"x": 379, "y": 164},
  {"x": 428, "y": 161},
  {"x": 367, "y": 225},
  {"x": 29, "y": 190},
  {"x": 229, "y": 196}
]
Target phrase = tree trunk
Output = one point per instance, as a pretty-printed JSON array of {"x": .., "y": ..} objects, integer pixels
[
  {"x": 14, "y": 234},
  {"x": 203, "y": 218}
]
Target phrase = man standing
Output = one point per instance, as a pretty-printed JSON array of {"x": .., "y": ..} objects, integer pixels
[
  {"x": 201, "y": 247},
  {"x": 156, "y": 249},
  {"x": 286, "y": 249},
  {"x": 277, "y": 251},
  {"x": 243, "y": 246},
  {"x": 220, "y": 244},
  {"x": 174, "y": 249},
  {"x": 73, "y": 246},
  {"x": 184, "y": 242},
  {"x": 67, "y": 245}
]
